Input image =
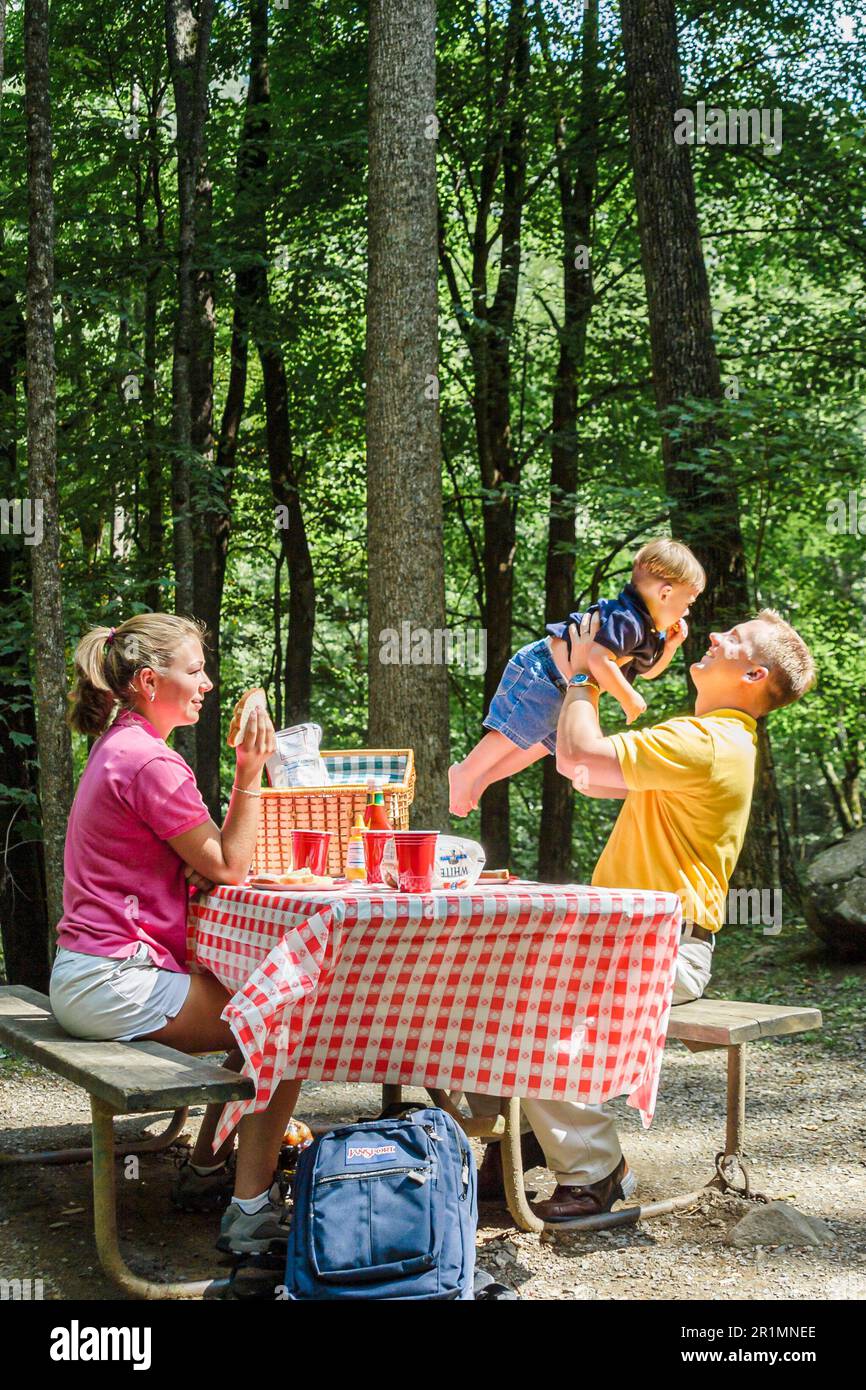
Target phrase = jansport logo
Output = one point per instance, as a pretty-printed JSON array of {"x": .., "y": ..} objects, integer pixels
[
  {"x": 77, "y": 1343},
  {"x": 370, "y": 1153}
]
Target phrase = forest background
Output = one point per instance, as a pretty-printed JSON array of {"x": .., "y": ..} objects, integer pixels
[{"x": 262, "y": 212}]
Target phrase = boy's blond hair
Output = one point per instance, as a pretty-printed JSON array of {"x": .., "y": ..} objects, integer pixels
[
  {"x": 670, "y": 560},
  {"x": 788, "y": 660}
]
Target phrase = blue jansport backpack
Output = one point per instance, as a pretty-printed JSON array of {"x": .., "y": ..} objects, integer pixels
[{"x": 385, "y": 1209}]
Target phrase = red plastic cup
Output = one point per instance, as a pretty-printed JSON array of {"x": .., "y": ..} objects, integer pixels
[
  {"x": 416, "y": 857},
  {"x": 310, "y": 850},
  {"x": 374, "y": 848}
]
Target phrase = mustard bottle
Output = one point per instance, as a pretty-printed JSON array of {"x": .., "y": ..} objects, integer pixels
[{"x": 355, "y": 863}]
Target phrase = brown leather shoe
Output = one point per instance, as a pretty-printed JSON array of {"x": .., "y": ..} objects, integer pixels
[
  {"x": 570, "y": 1203},
  {"x": 491, "y": 1187}
]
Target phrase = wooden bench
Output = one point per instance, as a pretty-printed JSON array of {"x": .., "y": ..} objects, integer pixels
[
  {"x": 121, "y": 1078},
  {"x": 702, "y": 1025},
  {"x": 708, "y": 1024}
]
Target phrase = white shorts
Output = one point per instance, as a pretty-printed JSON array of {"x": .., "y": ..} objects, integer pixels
[{"x": 111, "y": 997}]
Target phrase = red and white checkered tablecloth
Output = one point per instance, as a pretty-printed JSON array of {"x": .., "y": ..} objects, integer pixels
[{"x": 533, "y": 990}]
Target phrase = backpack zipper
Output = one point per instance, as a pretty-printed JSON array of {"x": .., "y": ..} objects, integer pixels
[
  {"x": 464, "y": 1161},
  {"x": 419, "y": 1175}
]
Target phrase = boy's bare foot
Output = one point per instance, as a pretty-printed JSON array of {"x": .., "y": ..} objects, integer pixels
[
  {"x": 460, "y": 791},
  {"x": 559, "y": 652},
  {"x": 634, "y": 709}
]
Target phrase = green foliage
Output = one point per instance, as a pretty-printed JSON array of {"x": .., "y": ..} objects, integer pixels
[{"x": 784, "y": 244}]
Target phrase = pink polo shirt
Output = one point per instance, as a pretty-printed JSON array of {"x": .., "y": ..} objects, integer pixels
[{"x": 123, "y": 884}]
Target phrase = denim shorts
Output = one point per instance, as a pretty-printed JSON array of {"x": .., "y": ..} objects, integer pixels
[
  {"x": 528, "y": 699},
  {"x": 114, "y": 997}
]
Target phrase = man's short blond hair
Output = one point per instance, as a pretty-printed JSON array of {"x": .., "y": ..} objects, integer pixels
[
  {"x": 670, "y": 560},
  {"x": 787, "y": 659}
]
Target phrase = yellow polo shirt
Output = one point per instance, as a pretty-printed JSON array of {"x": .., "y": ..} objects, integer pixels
[{"x": 683, "y": 821}]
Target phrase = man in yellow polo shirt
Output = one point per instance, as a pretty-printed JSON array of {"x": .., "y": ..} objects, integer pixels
[{"x": 687, "y": 789}]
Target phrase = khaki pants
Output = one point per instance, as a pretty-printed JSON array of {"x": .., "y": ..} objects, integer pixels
[{"x": 580, "y": 1142}]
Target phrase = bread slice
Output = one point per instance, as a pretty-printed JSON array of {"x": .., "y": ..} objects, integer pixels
[{"x": 250, "y": 700}]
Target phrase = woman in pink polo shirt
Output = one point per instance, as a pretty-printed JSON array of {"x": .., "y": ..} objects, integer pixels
[{"x": 138, "y": 833}]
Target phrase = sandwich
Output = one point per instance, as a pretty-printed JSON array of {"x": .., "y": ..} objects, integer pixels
[{"x": 250, "y": 700}]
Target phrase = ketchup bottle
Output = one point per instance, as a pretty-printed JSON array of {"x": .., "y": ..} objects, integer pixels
[
  {"x": 371, "y": 800},
  {"x": 375, "y": 816}
]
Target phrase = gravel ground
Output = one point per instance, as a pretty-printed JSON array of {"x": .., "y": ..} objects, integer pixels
[{"x": 806, "y": 1138}]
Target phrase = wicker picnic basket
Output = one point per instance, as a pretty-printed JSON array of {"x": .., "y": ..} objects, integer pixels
[{"x": 333, "y": 806}]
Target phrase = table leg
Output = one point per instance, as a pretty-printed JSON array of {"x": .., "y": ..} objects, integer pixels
[
  {"x": 512, "y": 1172},
  {"x": 731, "y": 1163},
  {"x": 735, "y": 1129},
  {"x": 391, "y": 1095}
]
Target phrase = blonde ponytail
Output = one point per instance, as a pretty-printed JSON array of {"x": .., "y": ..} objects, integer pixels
[{"x": 107, "y": 659}]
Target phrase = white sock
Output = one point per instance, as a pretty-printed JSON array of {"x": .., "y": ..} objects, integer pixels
[
  {"x": 204, "y": 1172},
  {"x": 250, "y": 1205}
]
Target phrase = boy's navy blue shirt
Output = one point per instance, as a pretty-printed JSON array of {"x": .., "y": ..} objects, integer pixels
[{"x": 626, "y": 630}]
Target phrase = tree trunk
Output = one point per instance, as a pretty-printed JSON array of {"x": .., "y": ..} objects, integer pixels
[
  {"x": 408, "y": 702},
  {"x": 151, "y": 243},
  {"x": 298, "y": 663},
  {"x": 208, "y": 499},
  {"x": 188, "y": 41},
  {"x": 851, "y": 778},
  {"x": 840, "y": 802},
  {"x": 279, "y": 561},
  {"x": 703, "y": 495},
  {"x": 704, "y": 504},
  {"x": 795, "y": 809},
  {"x": 53, "y": 739},
  {"x": 576, "y": 164},
  {"x": 216, "y": 524},
  {"x": 293, "y": 704},
  {"x": 487, "y": 327},
  {"x": 500, "y": 470},
  {"x": 153, "y": 480},
  {"x": 214, "y": 554}
]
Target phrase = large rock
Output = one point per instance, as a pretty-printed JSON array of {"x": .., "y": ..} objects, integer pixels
[
  {"x": 835, "y": 896},
  {"x": 778, "y": 1223}
]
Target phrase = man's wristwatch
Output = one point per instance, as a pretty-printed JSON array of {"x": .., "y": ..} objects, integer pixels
[{"x": 581, "y": 680}]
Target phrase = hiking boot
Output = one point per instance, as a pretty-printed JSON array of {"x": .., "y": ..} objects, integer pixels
[
  {"x": 241, "y": 1234},
  {"x": 192, "y": 1191}
]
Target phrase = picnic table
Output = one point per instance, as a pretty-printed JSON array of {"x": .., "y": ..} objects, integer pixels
[{"x": 524, "y": 990}]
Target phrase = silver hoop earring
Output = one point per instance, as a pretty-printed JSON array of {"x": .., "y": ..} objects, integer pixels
[{"x": 152, "y": 696}]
